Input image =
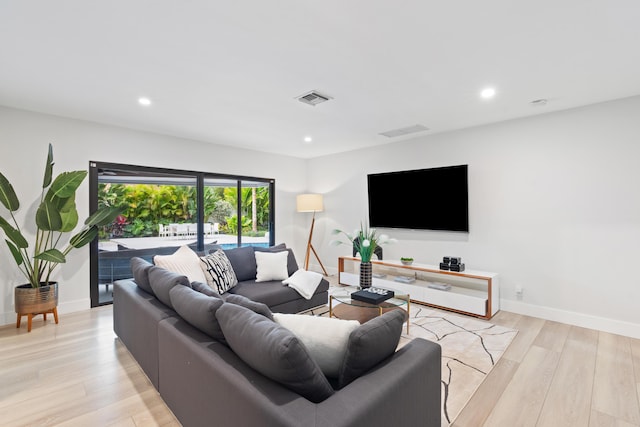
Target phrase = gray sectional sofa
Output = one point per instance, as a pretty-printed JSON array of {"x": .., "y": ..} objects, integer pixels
[{"x": 206, "y": 383}]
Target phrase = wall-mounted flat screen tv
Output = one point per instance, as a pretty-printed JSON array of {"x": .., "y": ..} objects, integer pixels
[{"x": 423, "y": 199}]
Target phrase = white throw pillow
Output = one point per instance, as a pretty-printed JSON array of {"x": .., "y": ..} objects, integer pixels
[
  {"x": 218, "y": 271},
  {"x": 305, "y": 282},
  {"x": 183, "y": 261},
  {"x": 325, "y": 338},
  {"x": 271, "y": 266}
]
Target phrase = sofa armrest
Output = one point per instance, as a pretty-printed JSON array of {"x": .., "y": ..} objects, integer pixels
[
  {"x": 403, "y": 390},
  {"x": 136, "y": 315}
]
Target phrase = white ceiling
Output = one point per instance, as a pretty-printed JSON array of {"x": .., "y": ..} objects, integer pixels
[{"x": 228, "y": 72}]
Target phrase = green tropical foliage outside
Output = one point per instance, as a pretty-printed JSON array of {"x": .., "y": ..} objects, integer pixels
[{"x": 144, "y": 206}]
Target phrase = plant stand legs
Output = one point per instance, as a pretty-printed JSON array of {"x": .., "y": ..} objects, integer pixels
[{"x": 30, "y": 316}]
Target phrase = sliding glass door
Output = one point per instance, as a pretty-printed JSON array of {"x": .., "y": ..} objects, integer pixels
[{"x": 162, "y": 210}]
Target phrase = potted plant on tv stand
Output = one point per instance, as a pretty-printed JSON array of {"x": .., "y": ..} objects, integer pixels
[
  {"x": 55, "y": 216},
  {"x": 364, "y": 241}
]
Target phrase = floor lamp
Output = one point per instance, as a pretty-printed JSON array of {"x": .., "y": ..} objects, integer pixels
[{"x": 310, "y": 203}]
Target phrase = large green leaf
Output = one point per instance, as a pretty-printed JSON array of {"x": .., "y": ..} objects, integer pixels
[
  {"x": 103, "y": 216},
  {"x": 15, "y": 252},
  {"x": 13, "y": 234},
  {"x": 47, "y": 217},
  {"x": 68, "y": 214},
  {"x": 84, "y": 237},
  {"x": 52, "y": 255},
  {"x": 48, "y": 168},
  {"x": 66, "y": 184},
  {"x": 8, "y": 195}
]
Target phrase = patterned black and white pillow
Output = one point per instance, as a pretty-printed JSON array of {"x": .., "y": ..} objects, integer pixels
[{"x": 219, "y": 272}]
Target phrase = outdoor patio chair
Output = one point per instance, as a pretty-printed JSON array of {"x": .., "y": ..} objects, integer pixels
[
  {"x": 182, "y": 230},
  {"x": 163, "y": 231}
]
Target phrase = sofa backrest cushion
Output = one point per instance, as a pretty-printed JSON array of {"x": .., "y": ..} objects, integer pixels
[
  {"x": 274, "y": 351},
  {"x": 140, "y": 269},
  {"x": 198, "y": 309},
  {"x": 370, "y": 344},
  {"x": 256, "y": 307},
  {"x": 162, "y": 281},
  {"x": 243, "y": 262},
  {"x": 184, "y": 261},
  {"x": 203, "y": 288}
]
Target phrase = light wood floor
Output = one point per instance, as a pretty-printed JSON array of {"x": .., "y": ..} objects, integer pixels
[{"x": 77, "y": 373}]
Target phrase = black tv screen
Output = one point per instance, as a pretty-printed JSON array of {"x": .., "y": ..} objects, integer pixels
[{"x": 423, "y": 199}]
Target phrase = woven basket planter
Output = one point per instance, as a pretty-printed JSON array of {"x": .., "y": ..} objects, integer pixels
[{"x": 36, "y": 300}]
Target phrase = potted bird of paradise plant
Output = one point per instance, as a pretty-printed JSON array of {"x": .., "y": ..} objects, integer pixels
[
  {"x": 364, "y": 241},
  {"x": 56, "y": 216}
]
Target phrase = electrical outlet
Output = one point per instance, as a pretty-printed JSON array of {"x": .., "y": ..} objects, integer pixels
[{"x": 519, "y": 291}]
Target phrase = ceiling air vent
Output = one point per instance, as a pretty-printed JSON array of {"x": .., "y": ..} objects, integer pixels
[
  {"x": 313, "y": 98},
  {"x": 404, "y": 131}
]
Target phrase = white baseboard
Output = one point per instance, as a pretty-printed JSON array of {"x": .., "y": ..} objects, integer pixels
[
  {"x": 63, "y": 308},
  {"x": 613, "y": 326}
]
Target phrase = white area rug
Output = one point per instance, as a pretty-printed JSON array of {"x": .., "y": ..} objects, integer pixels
[{"x": 470, "y": 349}]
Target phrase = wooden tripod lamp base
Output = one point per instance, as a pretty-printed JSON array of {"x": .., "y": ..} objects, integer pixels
[{"x": 310, "y": 203}]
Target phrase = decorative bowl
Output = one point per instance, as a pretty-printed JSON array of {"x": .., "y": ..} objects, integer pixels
[{"x": 406, "y": 261}]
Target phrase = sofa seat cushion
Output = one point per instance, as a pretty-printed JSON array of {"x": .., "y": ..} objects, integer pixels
[
  {"x": 269, "y": 293},
  {"x": 274, "y": 351}
]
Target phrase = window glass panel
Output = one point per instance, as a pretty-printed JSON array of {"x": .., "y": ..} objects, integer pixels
[
  {"x": 158, "y": 215},
  {"x": 220, "y": 208},
  {"x": 163, "y": 209},
  {"x": 255, "y": 208}
]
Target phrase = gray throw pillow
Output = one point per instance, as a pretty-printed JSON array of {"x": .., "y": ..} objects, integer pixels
[
  {"x": 140, "y": 269},
  {"x": 256, "y": 307},
  {"x": 203, "y": 288},
  {"x": 292, "y": 264},
  {"x": 274, "y": 351},
  {"x": 198, "y": 309},
  {"x": 162, "y": 281},
  {"x": 370, "y": 344},
  {"x": 243, "y": 262}
]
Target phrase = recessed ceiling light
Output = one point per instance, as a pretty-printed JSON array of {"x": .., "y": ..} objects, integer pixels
[
  {"x": 307, "y": 139},
  {"x": 144, "y": 101},
  {"x": 488, "y": 93}
]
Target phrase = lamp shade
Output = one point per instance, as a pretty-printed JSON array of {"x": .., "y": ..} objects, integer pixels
[{"x": 309, "y": 203}]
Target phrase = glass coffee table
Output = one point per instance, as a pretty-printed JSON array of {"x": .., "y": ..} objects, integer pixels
[{"x": 342, "y": 306}]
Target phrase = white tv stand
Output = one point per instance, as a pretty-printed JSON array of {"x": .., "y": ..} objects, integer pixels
[{"x": 476, "y": 293}]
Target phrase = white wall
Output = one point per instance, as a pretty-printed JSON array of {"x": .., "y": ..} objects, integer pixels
[
  {"x": 23, "y": 144},
  {"x": 554, "y": 207},
  {"x": 554, "y": 203}
]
